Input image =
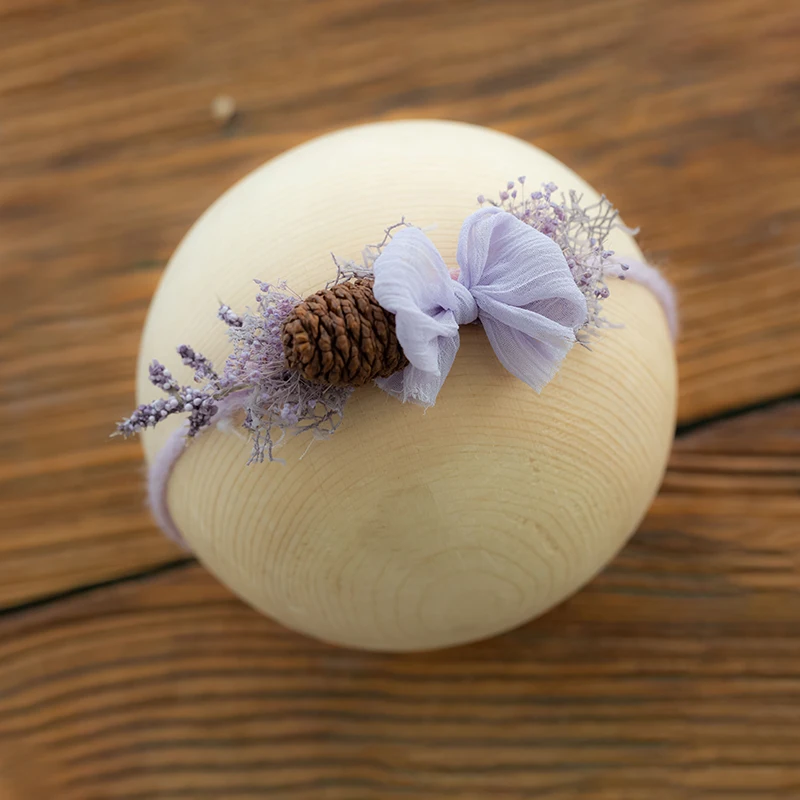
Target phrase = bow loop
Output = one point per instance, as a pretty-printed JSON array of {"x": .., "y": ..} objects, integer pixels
[
  {"x": 527, "y": 298},
  {"x": 412, "y": 282}
]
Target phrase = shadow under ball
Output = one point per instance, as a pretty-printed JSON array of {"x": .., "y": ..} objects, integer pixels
[{"x": 410, "y": 530}]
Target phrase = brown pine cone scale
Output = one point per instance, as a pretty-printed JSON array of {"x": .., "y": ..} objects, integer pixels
[{"x": 342, "y": 336}]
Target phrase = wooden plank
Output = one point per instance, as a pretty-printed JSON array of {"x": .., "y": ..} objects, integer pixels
[
  {"x": 676, "y": 673},
  {"x": 685, "y": 113}
]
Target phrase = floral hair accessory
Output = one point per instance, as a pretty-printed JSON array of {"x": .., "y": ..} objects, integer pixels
[{"x": 532, "y": 270}]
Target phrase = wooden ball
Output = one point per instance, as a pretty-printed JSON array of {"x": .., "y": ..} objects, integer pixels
[{"x": 410, "y": 530}]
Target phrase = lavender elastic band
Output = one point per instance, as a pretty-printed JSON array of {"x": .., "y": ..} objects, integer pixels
[
  {"x": 649, "y": 277},
  {"x": 161, "y": 469}
]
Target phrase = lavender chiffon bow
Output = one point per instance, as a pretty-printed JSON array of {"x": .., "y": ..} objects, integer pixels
[{"x": 512, "y": 278}]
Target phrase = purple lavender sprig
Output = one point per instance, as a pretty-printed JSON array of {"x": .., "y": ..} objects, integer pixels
[
  {"x": 148, "y": 415},
  {"x": 580, "y": 231},
  {"x": 201, "y": 408},
  {"x": 203, "y": 370},
  {"x": 279, "y": 400},
  {"x": 200, "y": 405},
  {"x": 162, "y": 378},
  {"x": 227, "y": 315}
]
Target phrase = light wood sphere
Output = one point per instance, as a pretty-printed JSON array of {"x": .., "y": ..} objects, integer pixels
[{"x": 410, "y": 530}]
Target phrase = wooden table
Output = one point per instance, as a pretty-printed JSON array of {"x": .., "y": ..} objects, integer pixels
[{"x": 127, "y": 672}]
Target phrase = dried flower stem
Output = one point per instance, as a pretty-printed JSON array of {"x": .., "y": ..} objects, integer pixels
[
  {"x": 351, "y": 270},
  {"x": 280, "y": 399}
]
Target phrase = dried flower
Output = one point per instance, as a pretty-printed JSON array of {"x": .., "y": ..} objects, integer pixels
[
  {"x": 280, "y": 400},
  {"x": 148, "y": 415},
  {"x": 198, "y": 362},
  {"x": 227, "y": 315},
  {"x": 162, "y": 378},
  {"x": 352, "y": 270},
  {"x": 200, "y": 407}
]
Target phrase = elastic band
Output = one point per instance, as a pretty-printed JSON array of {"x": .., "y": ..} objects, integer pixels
[
  {"x": 651, "y": 278},
  {"x": 161, "y": 469}
]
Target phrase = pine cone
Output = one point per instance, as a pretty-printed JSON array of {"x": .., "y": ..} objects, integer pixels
[{"x": 343, "y": 337}]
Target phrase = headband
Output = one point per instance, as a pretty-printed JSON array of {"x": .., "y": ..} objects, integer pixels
[{"x": 532, "y": 271}]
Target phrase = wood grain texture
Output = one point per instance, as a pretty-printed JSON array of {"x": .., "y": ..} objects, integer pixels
[
  {"x": 686, "y": 113},
  {"x": 675, "y": 674}
]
